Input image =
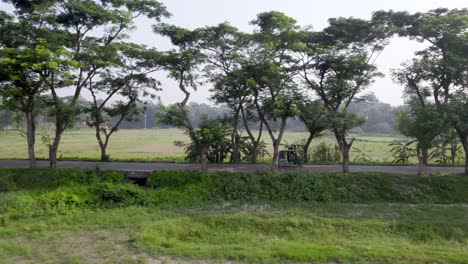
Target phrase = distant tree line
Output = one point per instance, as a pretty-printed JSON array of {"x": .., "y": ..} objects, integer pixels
[{"x": 380, "y": 118}]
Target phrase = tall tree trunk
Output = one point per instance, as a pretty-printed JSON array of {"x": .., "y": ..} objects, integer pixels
[
  {"x": 421, "y": 161},
  {"x": 203, "y": 165},
  {"x": 254, "y": 157},
  {"x": 102, "y": 144},
  {"x": 255, "y": 141},
  {"x": 236, "y": 157},
  {"x": 31, "y": 137},
  {"x": 464, "y": 140},
  {"x": 345, "y": 164},
  {"x": 306, "y": 149},
  {"x": 465, "y": 148},
  {"x": 53, "y": 149},
  {"x": 466, "y": 163},
  {"x": 425, "y": 156},
  {"x": 276, "y": 144},
  {"x": 453, "y": 152},
  {"x": 345, "y": 147}
]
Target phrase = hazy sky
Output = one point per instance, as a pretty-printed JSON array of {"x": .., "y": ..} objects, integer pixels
[{"x": 199, "y": 13}]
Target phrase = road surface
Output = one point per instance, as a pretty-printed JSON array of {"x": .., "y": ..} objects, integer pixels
[{"x": 140, "y": 166}]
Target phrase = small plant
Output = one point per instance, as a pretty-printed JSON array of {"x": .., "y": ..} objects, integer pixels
[
  {"x": 361, "y": 155},
  {"x": 402, "y": 151},
  {"x": 324, "y": 152}
]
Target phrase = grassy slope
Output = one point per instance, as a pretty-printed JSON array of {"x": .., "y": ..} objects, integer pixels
[
  {"x": 87, "y": 216},
  {"x": 153, "y": 144},
  {"x": 378, "y": 233}
]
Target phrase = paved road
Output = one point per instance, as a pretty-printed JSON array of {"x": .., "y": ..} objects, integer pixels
[{"x": 137, "y": 166}]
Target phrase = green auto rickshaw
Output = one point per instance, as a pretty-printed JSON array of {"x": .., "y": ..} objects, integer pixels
[{"x": 289, "y": 158}]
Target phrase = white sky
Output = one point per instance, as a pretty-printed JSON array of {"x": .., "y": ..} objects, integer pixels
[{"x": 199, "y": 13}]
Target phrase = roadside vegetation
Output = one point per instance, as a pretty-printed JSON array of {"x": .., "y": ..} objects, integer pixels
[
  {"x": 263, "y": 78},
  {"x": 92, "y": 216}
]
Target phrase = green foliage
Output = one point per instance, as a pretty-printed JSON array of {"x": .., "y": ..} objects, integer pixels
[
  {"x": 324, "y": 153},
  {"x": 402, "y": 151},
  {"x": 361, "y": 154},
  {"x": 262, "y": 216},
  {"x": 319, "y": 187},
  {"x": 213, "y": 134},
  {"x": 423, "y": 123},
  {"x": 30, "y": 179},
  {"x": 117, "y": 194},
  {"x": 173, "y": 179}
]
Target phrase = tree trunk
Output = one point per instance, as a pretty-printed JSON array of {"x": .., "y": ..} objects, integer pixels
[
  {"x": 464, "y": 140},
  {"x": 276, "y": 142},
  {"x": 306, "y": 149},
  {"x": 425, "y": 156},
  {"x": 31, "y": 137},
  {"x": 102, "y": 145},
  {"x": 466, "y": 163},
  {"x": 254, "y": 152},
  {"x": 203, "y": 165},
  {"x": 345, "y": 147},
  {"x": 60, "y": 127},
  {"x": 276, "y": 145},
  {"x": 235, "y": 158},
  {"x": 421, "y": 160},
  {"x": 255, "y": 142},
  {"x": 453, "y": 153},
  {"x": 345, "y": 164},
  {"x": 465, "y": 148}
]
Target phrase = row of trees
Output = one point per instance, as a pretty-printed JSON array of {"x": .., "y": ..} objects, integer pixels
[
  {"x": 282, "y": 71},
  {"x": 436, "y": 91},
  {"x": 278, "y": 72},
  {"x": 50, "y": 46},
  {"x": 380, "y": 117}
]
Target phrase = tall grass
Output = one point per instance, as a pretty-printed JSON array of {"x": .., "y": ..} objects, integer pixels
[{"x": 92, "y": 216}]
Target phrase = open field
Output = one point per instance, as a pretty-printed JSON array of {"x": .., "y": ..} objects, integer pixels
[
  {"x": 88, "y": 216},
  {"x": 155, "y": 144}
]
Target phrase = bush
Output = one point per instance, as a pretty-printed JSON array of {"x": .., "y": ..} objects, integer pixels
[
  {"x": 119, "y": 195},
  {"x": 324, "y": 152},
  {"x": 173, "y": 178},
  {"x": 320, "y": 187},
  {"x": 43, "y": 178},
  {"x": 62, "y": 200}
]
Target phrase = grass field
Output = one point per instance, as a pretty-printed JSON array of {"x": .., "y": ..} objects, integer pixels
[
  {"x": 88, "y": 216},
  {"x": 152, "y": 144}
]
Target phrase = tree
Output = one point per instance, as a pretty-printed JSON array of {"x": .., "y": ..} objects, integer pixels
[
  {"x": 225, "y": 49},
  {"x": 30, "y": 54},
  {"x": 233, "y": 89},
  {"x": 312, "y": 113},
  {"x": 458, "y": 112},
  {"x": 129, "y": 80},
  {"x": 423, "y": 124},
  {"x": 78, "y": 22},
  {"x": 182, "y": 66},
  {"x": 443, "y": 64},
  {"x": 25, "y": 70},
  {"x": 337, "y": 64},
  {"x": 271, "y": 72}
]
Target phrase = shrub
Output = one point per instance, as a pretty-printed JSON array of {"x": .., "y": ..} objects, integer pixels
[
  {"x": 324, "y": 152},
  {"x": 119, "y": 195},
  {"x": 43, "y": 178},
  {"x": 173, "y": 178},
  {"x": 320, "y": 187}
]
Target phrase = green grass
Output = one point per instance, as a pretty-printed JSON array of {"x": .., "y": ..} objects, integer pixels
[
  {"x": 92, "y": 216},
  {"x": 383, "y": 233},
  {"x": 156, "y": 144}
]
